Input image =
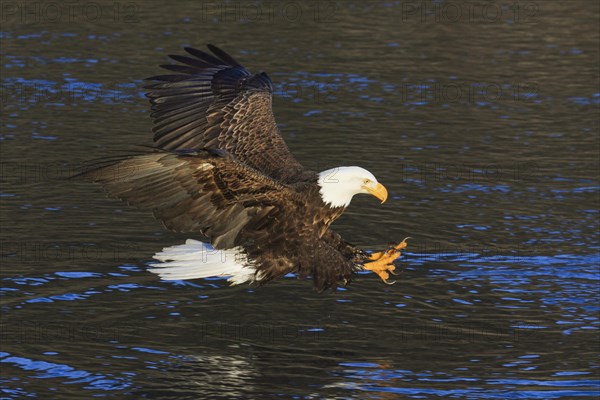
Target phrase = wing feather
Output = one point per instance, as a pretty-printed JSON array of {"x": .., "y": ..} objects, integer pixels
[
  {"x": 205, "y": 191},
  {"x": 217, "y": 103}
]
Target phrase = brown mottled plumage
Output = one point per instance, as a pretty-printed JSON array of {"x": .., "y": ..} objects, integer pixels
[
  {"x": 222, "y": 169},
  {"x": 218, "y": 104}
]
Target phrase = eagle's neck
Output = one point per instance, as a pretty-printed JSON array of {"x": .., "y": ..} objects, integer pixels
[
  {"x": 333, "y": 191},
  {"x": 335, "y": 199}
]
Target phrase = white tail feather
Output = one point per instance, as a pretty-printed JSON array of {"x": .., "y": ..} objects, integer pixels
[{"x": 195, "y": 259}]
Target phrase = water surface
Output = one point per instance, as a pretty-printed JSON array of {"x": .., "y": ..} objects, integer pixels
[{"x": 484, "y": 129}]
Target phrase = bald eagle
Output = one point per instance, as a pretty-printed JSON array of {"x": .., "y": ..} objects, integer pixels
[{"x": 221, "y": 169}]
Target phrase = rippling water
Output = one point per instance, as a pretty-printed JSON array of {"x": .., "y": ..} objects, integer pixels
[{"x": 483, "y": 126}]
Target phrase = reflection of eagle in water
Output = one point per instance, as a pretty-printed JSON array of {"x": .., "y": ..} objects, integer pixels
[{"x": 222, "y": 169}]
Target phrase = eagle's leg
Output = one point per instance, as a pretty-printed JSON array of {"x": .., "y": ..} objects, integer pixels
[{"x": 382, "y": 262}]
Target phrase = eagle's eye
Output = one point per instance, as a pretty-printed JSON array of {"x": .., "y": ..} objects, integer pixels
[{"x": 366, "y": 181}]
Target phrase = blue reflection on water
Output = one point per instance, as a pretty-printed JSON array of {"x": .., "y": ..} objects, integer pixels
[
  {"x": 68, "y": 373},
  {"x": 57, "y": 93},
  {"x": 574, "y": 277},
  {"x": 371, "y": 377}
]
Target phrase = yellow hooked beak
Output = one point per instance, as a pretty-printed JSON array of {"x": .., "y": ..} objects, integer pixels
[{"x": 379, "y": 191}]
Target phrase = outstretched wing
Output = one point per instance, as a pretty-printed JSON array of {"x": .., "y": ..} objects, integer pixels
[
  {"x": 214, "y": 102},
  {"x": 206, "y": 191}
]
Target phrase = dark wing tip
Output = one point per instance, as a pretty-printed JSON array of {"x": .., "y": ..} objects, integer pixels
[
  {"x": 223, "y": 56},
  {"x": 165, "y": 78},
  {"x": 193, "y": 62},
  {"x": 199, "y": 63},
  {"x": 204, "y": 56}
]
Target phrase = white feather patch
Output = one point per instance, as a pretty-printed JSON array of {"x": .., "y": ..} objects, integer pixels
[{"x": 195, "y": 259}]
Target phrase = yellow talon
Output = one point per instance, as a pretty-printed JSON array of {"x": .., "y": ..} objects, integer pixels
[
  {"x": 376, "y": 256},
  {"x": 402, "y": 244},
  {"x": 382, "y": 262}
]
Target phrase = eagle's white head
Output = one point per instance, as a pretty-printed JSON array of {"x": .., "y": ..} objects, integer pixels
[{"x": 339, "y": 185}]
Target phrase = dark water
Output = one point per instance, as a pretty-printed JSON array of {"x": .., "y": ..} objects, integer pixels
[{"x": 483, "y": 125}]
